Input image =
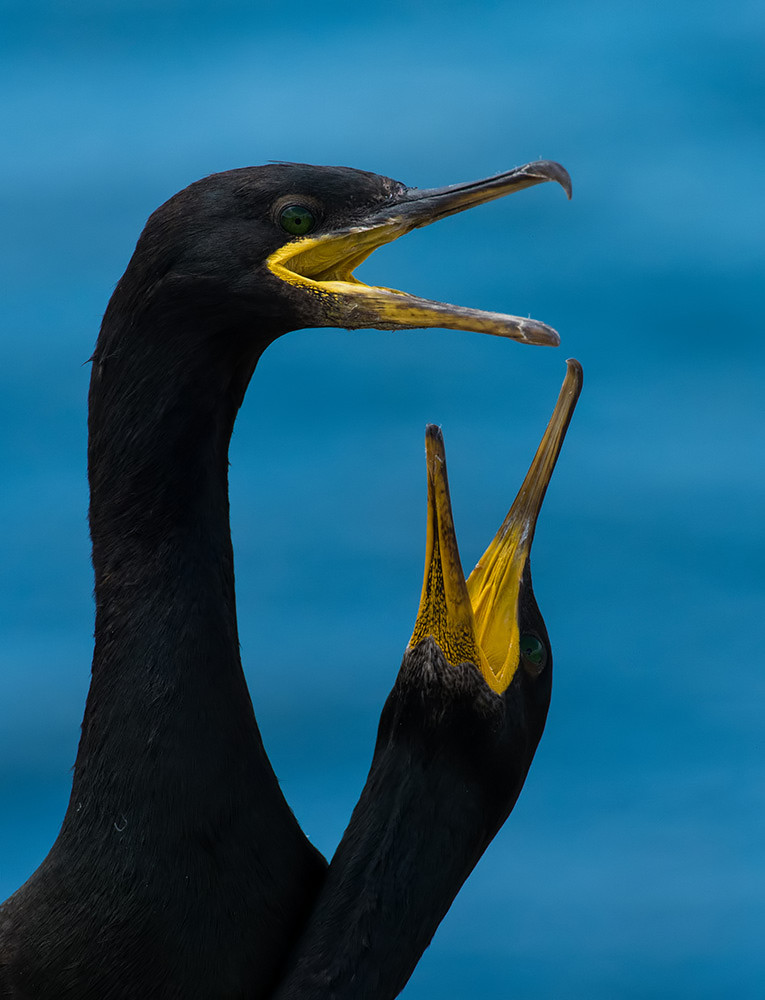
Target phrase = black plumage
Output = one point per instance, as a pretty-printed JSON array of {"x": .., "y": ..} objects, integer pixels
[
  {"x": 455, "y": 743},
  {"x": 179, "y": 870}
]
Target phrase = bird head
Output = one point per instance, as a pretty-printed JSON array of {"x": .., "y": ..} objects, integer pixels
[
  {"x": 479, "y": 653},
  {"x": 275, "y": 246}
]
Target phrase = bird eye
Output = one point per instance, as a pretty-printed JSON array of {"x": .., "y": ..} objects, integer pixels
[
  {"x": 533, "y": 654},
  {"x": 296, "y": 220}
]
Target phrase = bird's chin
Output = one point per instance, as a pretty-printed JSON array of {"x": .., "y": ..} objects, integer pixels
[{"x": 320, "y": 267}]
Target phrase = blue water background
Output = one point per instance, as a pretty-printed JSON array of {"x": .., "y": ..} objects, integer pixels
[{"x": 634, "y": 863}]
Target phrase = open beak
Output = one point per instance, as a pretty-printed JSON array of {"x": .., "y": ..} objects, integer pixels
[
  {"x": 476, "y": 621},
  {"x": 323, "y": 264}
]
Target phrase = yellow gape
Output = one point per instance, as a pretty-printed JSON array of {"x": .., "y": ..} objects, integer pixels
[
  {"x": 321, "y": 264},
  {"x": 477, "y": 621}
]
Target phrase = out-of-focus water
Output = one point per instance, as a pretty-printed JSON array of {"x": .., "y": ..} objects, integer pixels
[{"x": 633, "y": 865}]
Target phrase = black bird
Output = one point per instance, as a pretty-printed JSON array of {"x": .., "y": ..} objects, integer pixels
[
  {"x": 179, "y": 870},
  {"x": 456, "y": 739}
]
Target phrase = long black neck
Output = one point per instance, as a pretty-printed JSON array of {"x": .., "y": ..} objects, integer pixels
[
  {"x": 178, "y": 845},
  {"x": 383, "y": 898},
  {"x": 425, "y": 815},
  {"x": 168, "y": 705}
]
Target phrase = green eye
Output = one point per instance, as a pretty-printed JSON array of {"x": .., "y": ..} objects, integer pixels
[
  {"x": 533, "y": 653},
  {"x": 297, "y": 220}
]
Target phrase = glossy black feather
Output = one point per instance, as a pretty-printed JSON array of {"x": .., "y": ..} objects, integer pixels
[
  {"x": 449, "y": 764},
  {"x": 179, "y": 871}
]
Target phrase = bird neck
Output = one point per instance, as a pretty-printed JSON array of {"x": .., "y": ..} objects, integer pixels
[
  {"x": 396, "y": 871},
  {"x": 420, "y": 825},
  {"x": 167, "y": 685}
]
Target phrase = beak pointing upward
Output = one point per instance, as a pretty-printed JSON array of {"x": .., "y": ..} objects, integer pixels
[{"x": 477, "y": 621}]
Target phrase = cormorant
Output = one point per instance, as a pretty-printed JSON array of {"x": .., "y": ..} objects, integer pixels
[
  {"x": 179, "y": 870},
  {"x": 456, "y": 739}
]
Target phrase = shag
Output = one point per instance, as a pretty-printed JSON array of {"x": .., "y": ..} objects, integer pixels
[
  {"x": 456, "y": 739},
  {"x": 179, "y": 870}
]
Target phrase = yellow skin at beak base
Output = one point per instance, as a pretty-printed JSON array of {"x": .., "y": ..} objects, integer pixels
[
  {"x": 323, "y": 267},
  {"x": 494, "y": 587},
  {"x": 474, "y": 622},
  {"x": 477, "y": 622},
  {"x": 445, "y": 611}
]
